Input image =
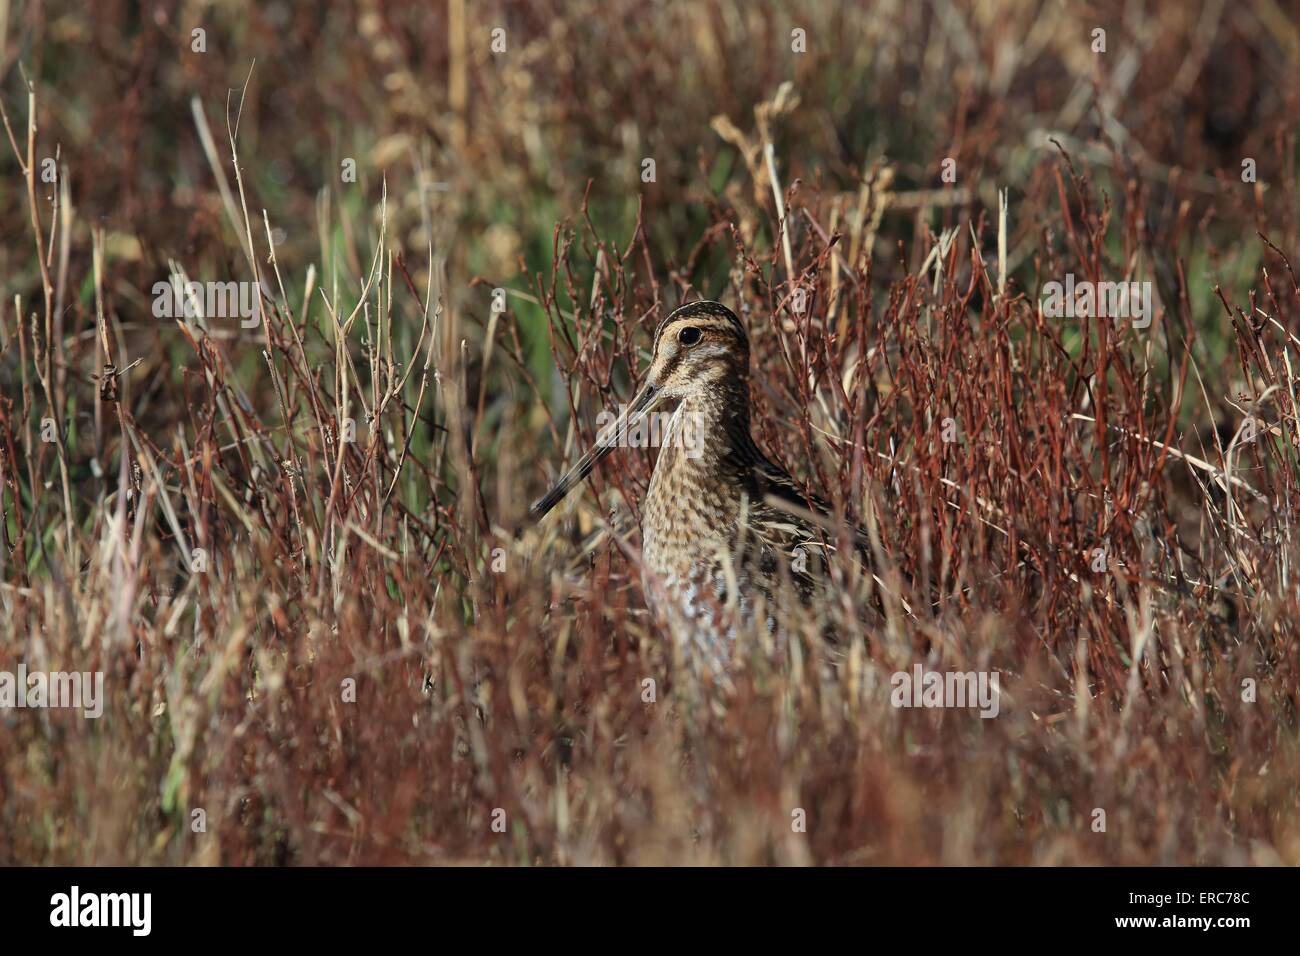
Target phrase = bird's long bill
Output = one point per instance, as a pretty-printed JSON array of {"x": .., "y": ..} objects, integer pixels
[{"x": 610, "y": 437}]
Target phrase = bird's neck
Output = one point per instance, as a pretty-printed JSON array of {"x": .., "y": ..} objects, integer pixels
[{"x": 707, "y": 429}]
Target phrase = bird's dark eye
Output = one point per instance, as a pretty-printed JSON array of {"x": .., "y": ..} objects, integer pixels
[{"x": 689, "y": 335}]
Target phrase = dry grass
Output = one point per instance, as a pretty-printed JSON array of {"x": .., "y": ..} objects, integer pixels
[{"x": 501, "y": 666}]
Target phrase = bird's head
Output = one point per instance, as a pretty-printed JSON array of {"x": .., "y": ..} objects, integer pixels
[{"x": 699, "y": 347}]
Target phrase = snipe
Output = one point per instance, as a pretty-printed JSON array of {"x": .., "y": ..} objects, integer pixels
[{"x": 725, "y": 531}]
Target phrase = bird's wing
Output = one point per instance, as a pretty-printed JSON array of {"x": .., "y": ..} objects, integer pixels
[
  {"x": 787, "y": 539},
  {"x": 792, "y": 505}
]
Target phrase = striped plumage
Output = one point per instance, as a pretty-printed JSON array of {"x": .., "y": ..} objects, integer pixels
[{"x": 725, "y": 531}]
